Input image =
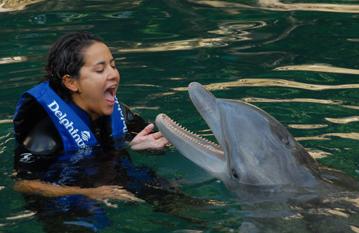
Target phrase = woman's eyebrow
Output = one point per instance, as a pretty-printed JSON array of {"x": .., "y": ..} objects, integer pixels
[
  {"x": 104, "y": 62},
  {"x": 100, "y": 63}
]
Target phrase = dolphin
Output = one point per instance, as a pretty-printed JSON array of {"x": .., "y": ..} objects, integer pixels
[
  {"x": 281, "y": 188},
  {"x": 254, "y": 150}
]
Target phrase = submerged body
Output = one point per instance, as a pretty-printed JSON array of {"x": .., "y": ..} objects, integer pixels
[{"x": 273, "y": 176}]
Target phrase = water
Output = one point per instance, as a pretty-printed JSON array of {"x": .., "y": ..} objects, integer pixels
[{"x": 237, "y": 48}]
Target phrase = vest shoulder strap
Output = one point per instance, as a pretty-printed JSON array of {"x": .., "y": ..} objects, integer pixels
[{"x": 75, "y": 134}]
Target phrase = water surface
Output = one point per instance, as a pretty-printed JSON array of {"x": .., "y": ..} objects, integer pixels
[{"x": 297, "y": 62}]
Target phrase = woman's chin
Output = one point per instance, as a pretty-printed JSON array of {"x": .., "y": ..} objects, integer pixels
[{"x": 108, "y": 111}]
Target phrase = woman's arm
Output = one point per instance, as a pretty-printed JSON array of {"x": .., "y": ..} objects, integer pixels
[{"x": 51, "y": 190}]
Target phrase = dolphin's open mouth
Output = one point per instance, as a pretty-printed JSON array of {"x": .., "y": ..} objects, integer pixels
[
  {"x": 162, "y": 120},
  {"x": 206, "y": 154}
]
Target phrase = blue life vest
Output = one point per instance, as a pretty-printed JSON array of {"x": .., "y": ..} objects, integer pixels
[{"x": 75, "y": 133}]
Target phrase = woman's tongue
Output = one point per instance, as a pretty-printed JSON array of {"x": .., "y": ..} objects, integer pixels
[{"x": 109, "y": 96}]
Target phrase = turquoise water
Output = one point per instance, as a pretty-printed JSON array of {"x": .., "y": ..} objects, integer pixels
[{"x": 237, "y": 48}]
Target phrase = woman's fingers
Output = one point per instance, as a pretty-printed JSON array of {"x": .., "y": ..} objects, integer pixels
[
  {"x": 123, "y": 194},
  {"x": 113, "y": 192},
  {"x": 147, "y": 130},
  {"x": 161, "y": 143},
  {"x": 156, "y": 135}
]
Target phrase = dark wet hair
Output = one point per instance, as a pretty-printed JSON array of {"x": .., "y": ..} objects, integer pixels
[{"x": 66, "y": 58}]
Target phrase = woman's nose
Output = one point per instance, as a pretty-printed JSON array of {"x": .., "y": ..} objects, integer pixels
[{"x": 113, "y": 73}]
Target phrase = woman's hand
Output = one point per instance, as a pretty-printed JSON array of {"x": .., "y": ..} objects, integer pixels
[
  {"x": 146, "y": 140},
  {"x": 113, "y": 192}
]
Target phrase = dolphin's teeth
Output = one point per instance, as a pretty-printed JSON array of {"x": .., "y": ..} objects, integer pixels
[{"x": 190, "y": 135}]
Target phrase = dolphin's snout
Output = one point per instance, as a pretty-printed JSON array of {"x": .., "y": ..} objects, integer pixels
[
  {"x": 160, "y": 116},
  {"x": 194, "y": 85}
]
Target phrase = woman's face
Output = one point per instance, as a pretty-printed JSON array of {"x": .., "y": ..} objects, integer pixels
[{"x": 97, "y": 82}]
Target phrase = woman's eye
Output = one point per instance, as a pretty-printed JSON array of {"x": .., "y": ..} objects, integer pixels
[{"x": 99, "y": 71}]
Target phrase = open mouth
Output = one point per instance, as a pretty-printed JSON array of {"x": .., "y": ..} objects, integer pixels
[
  {"x": 110, "y": 94},
  {"x": 188, "y": 136}
]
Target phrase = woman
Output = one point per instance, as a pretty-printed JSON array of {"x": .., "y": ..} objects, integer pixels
[{"x": 74, "y": 111}]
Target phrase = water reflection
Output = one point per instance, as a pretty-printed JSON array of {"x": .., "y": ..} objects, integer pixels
[
  {"x": 229, "y": 32},
  {"x": 258, "y": 82},
  {"x": 120, "y": 15},
  {"x": 6, "y": 121},
  {"x": 15, "y": 5},
  {"x": 4, "y": 140},
  {"x": 23, "y": 215},
  {"x": 324, "y": 7},
  {"x": 276, "y": 5},
  {"x": 222, "y": 4},
  {"x": 307, "y": 126},
  {"x": 177, "y": 45},
  {"x": 15, "y": 59},
  {"x": 317, "y": 154},
  {"x": 319, "y": 68},
  {"x": 327, "y": 136},
  {"x": 299, "y": 100},
  {"x": 344, "y": 120}
]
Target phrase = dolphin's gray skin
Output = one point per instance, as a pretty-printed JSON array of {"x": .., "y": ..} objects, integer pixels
[{"x": 274, "y": 177}]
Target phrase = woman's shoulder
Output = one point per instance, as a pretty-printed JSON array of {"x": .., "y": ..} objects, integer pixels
[{"x": 34, "y": 129}]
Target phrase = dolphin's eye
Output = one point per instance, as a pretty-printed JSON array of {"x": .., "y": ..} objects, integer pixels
[
  {"x": 285, "y": 140},
  {"x": 234, "y": 173}
]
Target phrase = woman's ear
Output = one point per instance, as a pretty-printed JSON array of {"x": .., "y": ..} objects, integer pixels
[{"x": 70, "y": 83}]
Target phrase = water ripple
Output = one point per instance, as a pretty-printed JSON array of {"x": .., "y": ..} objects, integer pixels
[
  {"x": 318, "y": 68},
  {"x": 275, "y": 5},
  {"x": 353, "y": 39},
  {"x": 344, "y": 120},
  {"x": 317, "y": 154},
  {"x": 6, "y": 6},
  {"x": 307, "y": 126},
  {"x": 258, "y": 82},
  {"x": 4, "y": 140},
  {"x": 299, "y": 100},
  {"x": 6, "y": 121},
  {"x": 15, "y": 59},
  {"x": 22, "y": 215},
  {"x": 327, "y": 136},
  {"x": 229, "y": 31},
  {"x": 177, "y": 45}
]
